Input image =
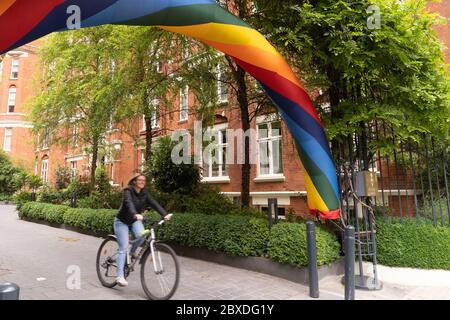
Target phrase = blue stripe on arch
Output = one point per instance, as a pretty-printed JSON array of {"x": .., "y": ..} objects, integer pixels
[
  {"x": 125, "y": 10},
  {"x": 308, "y": 143},
  {"x": 302, "y": 117},
  {"x": 312, "y": 150}
]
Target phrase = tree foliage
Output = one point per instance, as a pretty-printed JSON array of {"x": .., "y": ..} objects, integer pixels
[{"x": 395, "y": 73}]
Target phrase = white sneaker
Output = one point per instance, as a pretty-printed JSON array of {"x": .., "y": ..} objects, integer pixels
[{"x": 121, "y": 281}]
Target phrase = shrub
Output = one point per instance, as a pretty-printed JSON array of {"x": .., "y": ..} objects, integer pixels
[
  {"x": 42, "y": 211},
  {"x": 287, "y": 244},
  {"x": 97, "y": 200},
  {"x": 90, "y": 219},
  {"x": 5, "y": 197},
  {"x": 170, "y": 177},
  {"x": 80, "y": 186},
  {"x": 235, "y": 235},
  {"x": 11, "y": 176},
  {"x": 206, "y": 200},
  {"x": 63, "y": 177},
  {"x": 413, "y": 244},
  {"x": 50, "y": 195},
  {"x": 21, "y": 197}
]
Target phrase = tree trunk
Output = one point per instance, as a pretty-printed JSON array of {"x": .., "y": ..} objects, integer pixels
[
  {"x": 245, "y": 119},
  {"x": 95, "y": 143},
  {"x": 148, "y": 137}
]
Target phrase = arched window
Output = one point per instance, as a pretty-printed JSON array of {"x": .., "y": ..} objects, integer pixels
[{"x": 12, "y": 99}]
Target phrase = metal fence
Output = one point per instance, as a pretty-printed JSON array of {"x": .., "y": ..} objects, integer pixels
[
  {"x": 410, "y": 182},
  {"x": 412, "y": 176}
]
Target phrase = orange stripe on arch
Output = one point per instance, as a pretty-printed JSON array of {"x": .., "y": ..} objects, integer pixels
[
  {"x": 262, "y": 59},
  {"x": 5, "y": 4}
]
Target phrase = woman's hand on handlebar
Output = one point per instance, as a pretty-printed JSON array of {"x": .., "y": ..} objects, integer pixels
[{"x": 168, "y": 216}]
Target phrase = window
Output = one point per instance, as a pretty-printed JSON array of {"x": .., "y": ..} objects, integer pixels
[
  {"x": 73, "y": 170},
  {"x": 184, "y": 104},
  {"x": 12, "y": 93},
  {"x": 46, "y": 140},
  {"x": 75, "y": 137},
  {"x": 7, "y": 143},
  {"x": 215, "y": 166},
  {"x": 15, "y": 68},
  {"x": 222, "y": 85},
  {"x": 44, "y": 170},
  {"x": 269, "y": 151},
  {"x": 154, "y": 115}
]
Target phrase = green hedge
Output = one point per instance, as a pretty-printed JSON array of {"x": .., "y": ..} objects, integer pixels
[
  {"x": 287, "y": 244},
  {"x": 414, "y": 245},
  {"x": 237, "y": 235},
  {"x": 42, "y": 211}
]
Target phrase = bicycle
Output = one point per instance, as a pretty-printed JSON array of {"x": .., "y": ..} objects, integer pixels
[{"x": 157, "y": 260}]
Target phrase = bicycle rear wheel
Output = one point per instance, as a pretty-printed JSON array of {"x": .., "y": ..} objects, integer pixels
[
  {"x": 160, "y": 277},
  {"x": 107, "y": 262}
]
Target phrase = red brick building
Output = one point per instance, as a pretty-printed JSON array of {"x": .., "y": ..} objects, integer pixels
[
  {"x": 279, "y": 177},
  {"x": 17, "y": 71}
]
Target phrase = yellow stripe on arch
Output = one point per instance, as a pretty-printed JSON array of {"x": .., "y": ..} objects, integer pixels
[
  {"x": 315, "y": 201},
  {"x": 5, "y": 4},
  {"x": 226, "y": 33},
  {"x": 245, "y": 44}
]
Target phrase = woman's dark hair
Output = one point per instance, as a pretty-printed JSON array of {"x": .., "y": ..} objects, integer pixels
[{"x": 132, "y": 181}]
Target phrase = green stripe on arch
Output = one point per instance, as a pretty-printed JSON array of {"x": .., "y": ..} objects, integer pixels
[
  {"x": 189, "y": 15},
  {"x": 323, "y": 186}
]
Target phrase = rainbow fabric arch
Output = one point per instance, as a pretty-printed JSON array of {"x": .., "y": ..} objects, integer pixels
[{"x": 22, "y": 21}]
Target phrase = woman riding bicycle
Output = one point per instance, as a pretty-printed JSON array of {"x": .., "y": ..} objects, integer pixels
[{"x": 136, "y": 200}]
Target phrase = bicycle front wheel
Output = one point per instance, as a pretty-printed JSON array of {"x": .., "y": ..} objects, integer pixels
[
  {"x": 160, "y": 273},
  {"x": 107, "y": 262}
]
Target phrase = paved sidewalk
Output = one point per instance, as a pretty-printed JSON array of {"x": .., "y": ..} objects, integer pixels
[{"x": 37, "y": 257}]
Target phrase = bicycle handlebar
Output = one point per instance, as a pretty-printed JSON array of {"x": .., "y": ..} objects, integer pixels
[{"x": 160, "y": 222}]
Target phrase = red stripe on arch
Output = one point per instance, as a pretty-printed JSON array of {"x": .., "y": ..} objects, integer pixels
[
  {"x": 21, "y": 18},
  {"x": 282, "y": 86}
]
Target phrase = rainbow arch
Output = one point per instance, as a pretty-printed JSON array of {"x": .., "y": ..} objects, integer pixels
[{"x": 22, "y": 21}]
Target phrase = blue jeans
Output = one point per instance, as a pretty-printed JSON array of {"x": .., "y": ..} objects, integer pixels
[{"x": 121, "y": 231}]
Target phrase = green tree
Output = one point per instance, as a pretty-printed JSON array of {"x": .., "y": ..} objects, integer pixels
[
  {"x": 11, "y": 176},
  {"x": 365, "y": 73},
  {"x": 169, "y": 177},
  {"x": 78, "y": 89}
]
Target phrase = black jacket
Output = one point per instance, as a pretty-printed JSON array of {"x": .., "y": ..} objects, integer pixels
[{"x": 135, "y": 203}]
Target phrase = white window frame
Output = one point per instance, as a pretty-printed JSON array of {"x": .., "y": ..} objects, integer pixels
[
  {"x": 7, "y": 140},
  {"x": 75, "y": 136},
  {"x": 46, "y": 140},
  {"x": 269, "y": 120},
  {"x": 15, "y": 65},
  {"x": 73, "y": 169},
  {"x": 44, "y": 170},
  {"x": 184, "y": 104},
  {"x": 220, "y": 149},
  {"x": 12, "y": 99},
  {"x": 220, "y": 94}
]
